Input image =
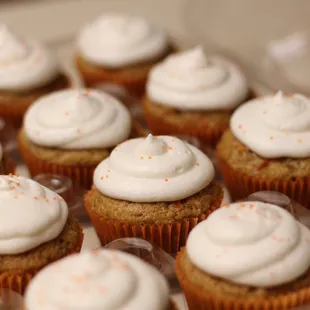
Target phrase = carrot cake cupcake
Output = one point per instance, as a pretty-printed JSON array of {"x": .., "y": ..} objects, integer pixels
[
  {"x": 107, "y": 280},
  {"x": 120, "y": 49},
  {"x": 191, "y": 94},
  {"x": 70, "y": 132},
  {"x": 249, "y": 255},
  {"x": 154, "y": 188},
  {"x": 267, "y": 148},
  {"x": 35, "y": 230},
  {"x": 27, "y": 71}
]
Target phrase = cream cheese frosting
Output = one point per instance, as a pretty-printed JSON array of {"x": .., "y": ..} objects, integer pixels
[
  {"x": 252, "y": 243},
  {"x": 274, "y": 126},
  {"x": 25, "y": 64},
  {"x": 77, "y": 119},
  {"x": 190, "y": 81},
  {"x": 98, "y": 280},
  {"x": 116, "y": 40},
  {"x": 153, "y": 169},
  {"x": 30, "y": 215}
]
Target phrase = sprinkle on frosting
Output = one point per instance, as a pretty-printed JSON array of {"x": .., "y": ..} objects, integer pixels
[
  {"x": 76, "y": 119},
  {"x": 135, "y": 179},
  {"x": 190, "y": 81},
  {"x": 259, "y": 239},
  {"x": 24, "y": 64},
  {"x": 107, "y": 280},
  {"x": 30, "y": 214},
  {"x": 116, "y": 40},
  {"x": 282, "y": 132}
]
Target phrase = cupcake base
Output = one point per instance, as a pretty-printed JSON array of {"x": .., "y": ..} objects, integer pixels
[
  {"x": 79, "y": 166},
  {"x": 241, "y": 185},
  {"x": 14, "y": 105},
  {"x": 200, "y": 298},
  {"x": 207, "y": 126},
  {"x": 169, "y": 235},
  {"x": 132, "y": 78},
  {"x": 17, "y": 279}
]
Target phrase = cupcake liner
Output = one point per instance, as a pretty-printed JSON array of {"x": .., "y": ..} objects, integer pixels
[
  {"x": 199, "y": 299},
  {"x": 241, "y": 185},
  {"x": 9, "y": 165},
  {"x": 170, "y": 237},
  {"x": 18, "y": 280},
  {"x": 81, "y": 175}
]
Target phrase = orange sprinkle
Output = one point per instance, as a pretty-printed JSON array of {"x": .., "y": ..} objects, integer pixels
[
  {"x": 166, "y": 180},
  {"x": 86, "y": 92},
  {"x": 150, "y": 157},
  {"x": 102, "y": 178},
  {"x": 240, "y": 126},
  {"x": 225, "y": 206},
  {"x": 79, "y": 131},
  {"x": 299, "y": 140},
  {"x": 142, "y": 157},
  {"x": 271, "y": 137},
  {"x": 252, "y": 206},
  {"x": 179, "y": 205},
  {"x": 55, "y": 198},
  {"x": 77, "y": 278},
  {"x": 35, "y": 198},
  {"x": 169, "y": 147},
  {"x": 197, "y": 164},
  {"x": 46, "y": 200}
]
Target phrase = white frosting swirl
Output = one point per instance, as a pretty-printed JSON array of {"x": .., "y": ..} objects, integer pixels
[
  {"x": 280, "y": 126},
  {"x": 115, "y": 40},
  {"x": 30, "y": 214},
  {"x": 24, "y": 64},
  {"x": 107, "y": 280},
  {"x": 190, "y": 81},
  {"x": 153, "y": 169},
  {"x": 251, "y": 243},
  {"x": 77, "y": 119}
]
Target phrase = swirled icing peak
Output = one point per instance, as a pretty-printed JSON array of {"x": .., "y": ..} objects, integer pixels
[
  {"x": 280, "y": 128},
  {"x": 30, "y": 214},
  {"x": 77, "y": 119},
  {"x": 107, "y": 280},
  {"x": 190, "y": 81},
  {"x": 251, "y": 243},
  {"x": 153, "y": 169},
  {"x": 24, "y": 64},
  {"x": 116, "y": 40}
]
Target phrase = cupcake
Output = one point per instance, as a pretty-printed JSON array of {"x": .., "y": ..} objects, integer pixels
[
  {"x": 27, "y": 71},
  {"x": 267, "y": 148},
  {"x": 35, "y": 231},
  {"x": 107, "y": 280},
  {"x": 70, "y": 132},
  {"x": 120, "y": 49},
  {"x": 154, "y": 188},
  {"x": 250, "y": 255},
  {"x": 191, "y": 94}
]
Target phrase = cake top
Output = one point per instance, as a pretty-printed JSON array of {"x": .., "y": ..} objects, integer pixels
[
  {"x": 25, "y": 64},
  {"x": 30, "y": 214},
  {"x": 274, "y": 126},
  {"x": 153, "y": 169},
  {"x": 251, "y": 243},
  {"x": 98, "y": 280},
  {"x": 191, "y": 81},
  {"x": 117, "y": 40},
  {"x": 77, "y": 119}
]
